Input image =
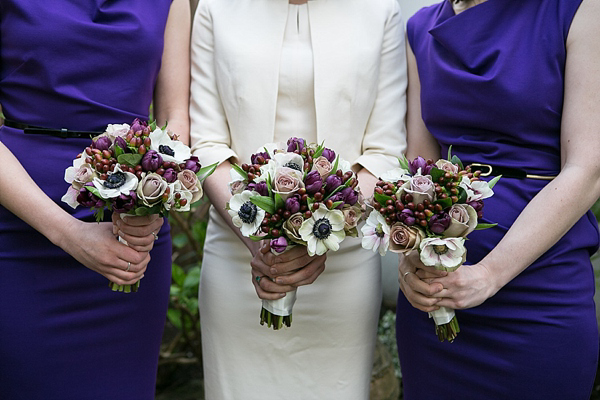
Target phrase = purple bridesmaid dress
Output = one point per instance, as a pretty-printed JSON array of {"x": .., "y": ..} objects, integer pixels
[
  {"x": 492, "y": 82},
  {"x": 77, "y": 64}
]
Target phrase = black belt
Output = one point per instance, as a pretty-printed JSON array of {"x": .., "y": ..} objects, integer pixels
[
  {"x": 493, "y": 170},
  {"x": 63, "y": 133}
]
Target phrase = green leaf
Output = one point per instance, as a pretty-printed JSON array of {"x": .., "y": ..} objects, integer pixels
[
  {"x": 192, "y": 279},
  {"x": 164, "y": 126},
  {"x": 177, "y": 274},
  {"x": 142, "y": 211},
  {"x": 94, "y": 191},
  {"x": 279, "y": 203},
  {"x": 99, "y": 214},
  {"x": 269, "y": 188},
  {"x": 456, "y": 160},
  {"x": 175, "y": 291},
  {"x": 484, "y": 226},
  {"x": 129, "y": 159},
  {"x": 335, "y": 165},
  {"x": 319, "y": 150},
  {"x": 205, "y": 172},
  {"x": 335, "y": 204},
  {"x": 445, "y": 203},
  {"x": 403, "y": 161},
  {"x": 462, "y": 195},
  {"x": 450, "y": 153},
  {"x": 180, "y": 240},
  {"x": 436, "y": 174},
  {"x": 152, "y": 125},
  {"x": 493, "y": 182},
  {"x": 118, "y": 150},
  {"x": 382, "y": 198},
  {"x": 174, "y": 317},
  {"x": 240, "y": 171},
  {"x": 337, "y": 189},
  {"x": 264, "y": 202},
  {"x": 255, "y": 238}
]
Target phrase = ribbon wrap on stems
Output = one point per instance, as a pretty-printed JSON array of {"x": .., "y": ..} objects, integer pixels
[{"x": 277, "y": 313}]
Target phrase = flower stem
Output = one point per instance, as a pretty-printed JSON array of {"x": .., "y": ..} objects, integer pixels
[
  {"x": 275, "y": 321},
  {"x": 448, "y": 331}
]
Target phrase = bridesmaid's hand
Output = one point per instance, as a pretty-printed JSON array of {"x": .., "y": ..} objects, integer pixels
[
  {"x": 468, "y": 286},
  {"x": 416, "y": 283},
  {"x": 94, "y": 245},
  {"x": 284, "y": 272},
  {"x": 139, "y": 232}
]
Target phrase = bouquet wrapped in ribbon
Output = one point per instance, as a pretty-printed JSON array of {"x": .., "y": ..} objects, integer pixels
[
  {"x": 429, "y": 207},
  {"x": 135, "y": 170},
  {"x": 301, "y": 195}
]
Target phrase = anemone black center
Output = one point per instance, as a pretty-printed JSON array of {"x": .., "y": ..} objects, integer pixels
[
  {"x": 379, "y": 231},
  {"x": 115, "y": 180},
  {"x": 322, "y": 228},
  {"x": 293, "y": 166},
  {"x": 247, "y": 212},
  {"x": 164, "y": 149}
]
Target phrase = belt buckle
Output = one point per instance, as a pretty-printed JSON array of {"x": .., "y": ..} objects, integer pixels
[
  {"x": 63, "y": 133},
  {"x": 488, "y": 166}
]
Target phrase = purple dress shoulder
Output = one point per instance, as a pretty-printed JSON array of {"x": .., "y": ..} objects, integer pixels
[
  {"x": 492, "y": 80},
  {"x": 64, "y": 334}
]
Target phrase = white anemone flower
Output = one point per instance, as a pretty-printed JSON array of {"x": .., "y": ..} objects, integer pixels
[
  {"x": 395, "y": 175},
  {"x": 117, "y": 183},
  {"x": 443, "y": 253},
  {"x": 477, "y": 190},
  {"x": 266, "y": 170},
  {"x": 169, "y": 149},
  {"x": 344, "y": 165},
  {"x": 323, "y": 231},
  {"x": 290, "y": 160},
  {"x": 376, "y": 233},
  {"x": 244, "y": 214}
]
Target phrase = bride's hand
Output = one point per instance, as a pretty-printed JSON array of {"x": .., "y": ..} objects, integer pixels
[
  {"x": 284, "y": 272},
  {"x": 416, "y": 283},
  {"x": 468, "y": 286}
]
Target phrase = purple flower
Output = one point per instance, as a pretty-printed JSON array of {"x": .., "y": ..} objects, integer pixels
[
  {"x": 138, "y": 125},
  {"x": 263, "y": 154},
  {"x": 292, "y": 204},
  {"x": 478, "y": 206},
  {"x": 332, "y": 182},
  {"x": 438, "y": 223},
  {"x": 329, "y": 155},
  {"x": 124, "y": 203},
  {"x": 295, "y": 144},
  {"x": 338, "y": 197},
  {"x": 313, "y": 182},
  {"x": 407, "y": 217},
  {"x": 119, "y": 141},
  {"x": 350, "y": 196},
  {"x": 417, "y": 163},
  {"x": 151, "y": 161},
  {"x": 279, "y": 244},
  {"x": 192, "y": 164},
  {"x": 88, "y": 199},
  {"x": 260, "y": 188},
  {"x": 102, "y": 143},
  {"x": 170, "y": 175}
]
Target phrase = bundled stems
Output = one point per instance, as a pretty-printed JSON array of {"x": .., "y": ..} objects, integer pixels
[
  {"x": 275, "y": 321},
  {"x": 448, "y": 331}
]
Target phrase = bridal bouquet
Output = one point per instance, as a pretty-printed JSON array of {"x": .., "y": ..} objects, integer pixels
[
  {"x": 429, "y": 207},
  {"x": 135, "y": 170},
  {"x": 303, "y": 195}
]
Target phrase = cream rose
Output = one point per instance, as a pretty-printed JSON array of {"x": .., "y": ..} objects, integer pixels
[
  {"x": 421, "y": 188},
  {"x": 291, "y": 227},
  {"x": 404, "y": 239},
  {"x": 287, "y": 181},
  {"x": 464, "y": 220},
  {"x": 151, "y": 189},
  {"x": 352, "y": 215},
  {"x": 447, "y": 166},
  {"x": 322, "y": 166},
  {"x": 190, "y": 181}
]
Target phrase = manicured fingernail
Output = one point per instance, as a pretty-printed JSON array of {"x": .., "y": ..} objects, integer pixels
[
  {"x": 119, "y": 223},
  {"x": 273, "y": 271},
  {"x": 279, "y": 281},
  {"x": 281, "y": 295}
]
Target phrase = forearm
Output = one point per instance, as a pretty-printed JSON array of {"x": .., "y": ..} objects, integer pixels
[
  {"x": 217, "y": 190},
  {"x": 22, "y": 196},
  {"x": 565, "y": 199},
  {"x": 366, "y": 181}
]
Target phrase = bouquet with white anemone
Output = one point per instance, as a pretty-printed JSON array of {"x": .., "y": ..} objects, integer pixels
[
  {"x": 298, "y": 195},
  {"x": 429, "y": 207},
  {"x": 135, "y": 170}
]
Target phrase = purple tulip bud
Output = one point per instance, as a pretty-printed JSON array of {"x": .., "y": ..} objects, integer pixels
[
  {"x": 313, "y": 182},
  {"x": 151, "y": 161},
  {"x": 170, "y": 175},
  {"x": 88, "y": 199},
  {"x": 329, "y": 155},
  {"x": 124, "y": 203},
  {"x": 407, "y": 217},
  {"x": 192, "y": 164},
  {"x": 338, "y": 197},
  {"x": 264, "y": 154},
  {"x": 332, "y": 182},
  {"x": 102, "y": 143},
  {"x": 417, "y": 163},
  {"x": 260, "y": 188},
  {"x": 477, "y": 205},
  {"x": 119, "y": 141},
  {"x": 350, "y": 196},
  {"x": 279, "y": 244},
  {"x": 295, "y": 144},
  {"x": 138, "y": 125},
  {"x": 438, "y": 223},
  {"x": 292, "y": 204}
]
